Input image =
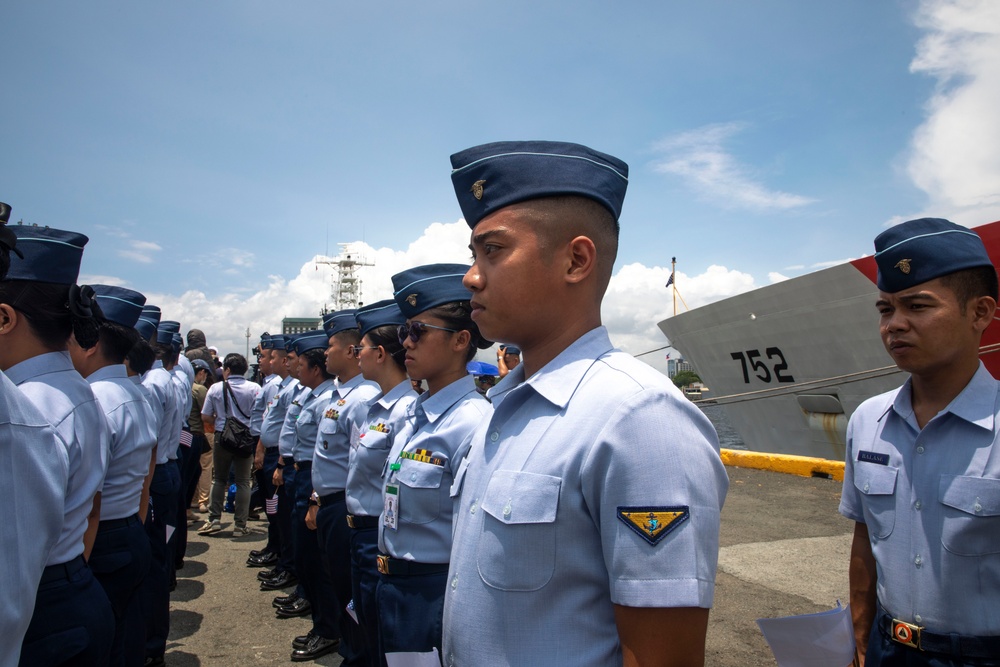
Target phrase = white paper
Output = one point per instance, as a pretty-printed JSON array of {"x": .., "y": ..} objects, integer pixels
[
  {"x": 350, "y": 610},
  {"x": 431, "y": 659},
  {"x": 825, "y": 639},
  {"x": 170, "y": 532}
]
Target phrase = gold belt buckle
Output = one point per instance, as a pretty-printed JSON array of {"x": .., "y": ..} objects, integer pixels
[
  {"x": 906, "y": 634},
  {"x": 350, "y": 521},
  {"x": 383, "y": 564}
]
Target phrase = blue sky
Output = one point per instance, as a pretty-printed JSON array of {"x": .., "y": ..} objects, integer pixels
[{"x": 211, "y": 150}]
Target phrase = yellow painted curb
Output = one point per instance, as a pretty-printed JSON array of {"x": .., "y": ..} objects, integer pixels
[{"x": 804, "y": 466}]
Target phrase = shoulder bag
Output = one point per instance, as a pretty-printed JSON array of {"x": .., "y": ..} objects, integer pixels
[{"x": 235, "y": 436}]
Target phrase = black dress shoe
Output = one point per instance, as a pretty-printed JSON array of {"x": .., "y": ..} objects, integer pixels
[
  {"x": 300, "y": 607},
  {"x": 303, "y": 640},
  {"x": 284, "y": 600},
  {"x": 154, "y": 662},
  {"x": 317, "y": 648},
  {"x": 283, "y": 580},
  {"x": 254, "y": 553},
  {"x": 264, "y": 575},
  {"x": 262, "y": 560}
]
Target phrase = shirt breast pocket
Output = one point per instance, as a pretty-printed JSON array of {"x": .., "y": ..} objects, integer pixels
[
  {"x": 327, "y": 429},
  {"x": 517, "y": 548},
  {"x": 420, "y": 491},
  {"x": 971, "y": 515},
  {"x": 878, "y": 485}
]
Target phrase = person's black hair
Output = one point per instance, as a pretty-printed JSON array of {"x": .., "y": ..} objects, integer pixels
[
  {"x": 388, "y": 338},
  {"x": 458, "y": 315},
  {"x": 54, "y": 311},
  {"x": 316, "y": 358},
  {"x": 971, "y": 284},
  {"x": 141, "y": 356},
  {"x": 209, "y": 376},
  {"x": 349, "y": 336},
  {"x": 235, "y": 363},
  {"x": 116, "y": 340},
  {"x": 164, "y": 351}
]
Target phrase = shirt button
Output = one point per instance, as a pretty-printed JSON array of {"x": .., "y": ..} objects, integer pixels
[
  {"x": 920, "y": 449},
  {"x": 507, "y": 509},
  {"x": 977, "y": 506},
  {"x": 867, "y": 486},
  {"x": 494, "y": 436},
  {"x": 918, "y": 561},
  {"x": 472, "y": 507},
  {"x": 413, "y": 477},
  {"x": 454, "y": 583},
  {"x": 917, "y": 618},
  {"x": 918, "y": 504}
]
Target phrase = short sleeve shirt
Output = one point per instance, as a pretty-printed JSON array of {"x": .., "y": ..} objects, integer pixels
[
  {"x": 594, "y": 483},
  {"x": 341, "y": 421},
  {"x": 931, "y": 501}
]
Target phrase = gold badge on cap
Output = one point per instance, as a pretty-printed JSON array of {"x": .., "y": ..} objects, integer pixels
[
  {"x": 653, "y": 523},
  {"x": 477, "y": 189},
  {"x": 412, "y": 300},
  {"x": 904, "y": 266}
]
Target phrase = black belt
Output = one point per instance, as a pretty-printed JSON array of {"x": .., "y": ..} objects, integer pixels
[
  {"x": 63, "y": 570},
  {"x": 111, "y": 524},
  {"x": 331, "y": 498},
  {"x": 398, "y": 566},
  {"x": 918, "y": 638},
  {"x": 303, "y": 465},
  {"x": 355, "y": 521}
]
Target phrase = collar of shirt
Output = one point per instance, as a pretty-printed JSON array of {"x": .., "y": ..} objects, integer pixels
[
  {"x": 323, "y": 386},
  {"x": 157, "y": 364},
  {"x": 389, "y": 399},
  {"x": 347, "y": 387},
  {"x": 108, "y": 373},
  {"x": 136, "y": 379},
  {"x": 975, "y": 404},
  {"x": 236, "y": 379},
  {"x": 50, "y": 362},
  {"x": 438, "y": 404},
  {"x": 285, "y": 381},
  {"x": 558, "y": 380}
]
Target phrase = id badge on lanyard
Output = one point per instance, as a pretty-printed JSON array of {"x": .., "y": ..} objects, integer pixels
[{"x": 390, "y": 512}]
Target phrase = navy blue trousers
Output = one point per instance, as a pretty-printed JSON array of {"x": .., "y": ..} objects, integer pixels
[
  {"x": 309, "y": 565},
  {"x": 120, "y": 561},
  {"x": 335, "y": 544},
  {"x": 73, "y": 623},
  {"x": 163, "y": 492},
  {"x": 265, "y": 482},
  {"x": 364, "y": 582},
  {"x": 410, "y": 612}
]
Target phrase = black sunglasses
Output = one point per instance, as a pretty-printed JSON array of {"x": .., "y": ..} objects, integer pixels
[{"x": 414, "y": 330}]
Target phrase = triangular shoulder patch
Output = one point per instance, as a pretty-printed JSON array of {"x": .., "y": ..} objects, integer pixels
[{"x": 653, "y": 523}]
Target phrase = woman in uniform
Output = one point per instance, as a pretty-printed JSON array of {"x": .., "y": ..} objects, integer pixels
[{"x": 439, "y": 339}]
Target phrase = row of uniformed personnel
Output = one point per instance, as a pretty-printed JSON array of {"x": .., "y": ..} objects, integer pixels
[{"x": 92, "y": 544}]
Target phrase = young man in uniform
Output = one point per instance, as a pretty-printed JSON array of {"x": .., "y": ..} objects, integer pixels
[
  {"x": 922, "y": 479},
  {"x": 587, "y": 523}
]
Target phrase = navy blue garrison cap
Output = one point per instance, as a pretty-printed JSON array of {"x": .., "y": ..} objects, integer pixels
[
  {"x": 149, "y": 319},
  {"x": 177, "y": 342},
  {"x": 379, "y": 314},
  {"x": 119, "y": 304},
  {"x": 491, "y": 176},
  {"x": 49, "y": 255},
  {"x": 290, "y": 342},
  {"x": 311, "y": 340},
  {"x": 342, "y": 320},
  {"x": 277, "y": 342},
  {"x": 920, "y": 250},
  {"x": 265, "y": 341},
  {"x": 424, "y": 287},
  {"x": 165, "y": 332}
]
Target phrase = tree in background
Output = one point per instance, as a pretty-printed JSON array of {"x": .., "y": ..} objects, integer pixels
[{"x": 684, "y": 378}]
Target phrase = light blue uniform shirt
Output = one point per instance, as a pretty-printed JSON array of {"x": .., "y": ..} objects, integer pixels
[
  {"x": 154, "y": 407},
  {"x": 275, "y": 410},
  {"x": 386, "y": 416},
  {"x": 132, "y": 437},
  {"x": 931, "y": 501},
  {"x": 244, "y": 394},
  {"x": 295, "y": 396},
  {"x": 442, "y": 425},
  {"x": 160, "y": 384},
  {"x": 344, "y": 416},
  {"x": 183, "y": 365},
  {"x": 183, "y": 385},
  {"x": 541, "y": 556},
  {"x": 34, "y": 464},
  {"x": 267, "y": 392},
  {"x": 66, "y": 400},
  {"x": 313, "y": 402}
]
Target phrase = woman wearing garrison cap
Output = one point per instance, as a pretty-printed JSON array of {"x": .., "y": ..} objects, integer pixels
[
  {"x": 40, "y": 307},
  {"x": 440, "y": 338}
]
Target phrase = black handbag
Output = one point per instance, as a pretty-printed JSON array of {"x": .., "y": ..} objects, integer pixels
[{"x": 235, "y": 437}]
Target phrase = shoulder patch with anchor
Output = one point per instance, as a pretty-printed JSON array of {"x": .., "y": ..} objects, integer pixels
[{"x": 653, "y": 523}]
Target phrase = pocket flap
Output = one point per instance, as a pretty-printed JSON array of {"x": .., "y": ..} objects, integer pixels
[
  {"x": 975, "y": 495},
  {"x": 420, "y": 475},
  {"x": 522, "y": 497},
  {"x": 874, "y": 480}
]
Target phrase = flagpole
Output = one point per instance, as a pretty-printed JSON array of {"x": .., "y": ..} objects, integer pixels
[{"x": 673, "y": 276}]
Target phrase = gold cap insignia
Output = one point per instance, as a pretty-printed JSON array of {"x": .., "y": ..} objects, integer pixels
[
  {"x": 904, "y": 266},
  {"x": 653, "y": 523},
  {"x": 477, "y": 189},
  {"x": 412, "y": 300}
]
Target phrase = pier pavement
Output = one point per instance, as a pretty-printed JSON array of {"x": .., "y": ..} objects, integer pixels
[{"x": 784, "y": 550}]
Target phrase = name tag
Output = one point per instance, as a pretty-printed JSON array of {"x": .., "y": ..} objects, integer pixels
[{"x": 873, "y": 457}]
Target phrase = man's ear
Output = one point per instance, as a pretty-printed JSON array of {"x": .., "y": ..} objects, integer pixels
[
  {"x": 582, "y": 259},
  {"x": 9, "y": 319}
]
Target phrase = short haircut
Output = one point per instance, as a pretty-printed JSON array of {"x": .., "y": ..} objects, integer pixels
[
  {"x": 972, "y": 284},
  {"x": 349, "y": 336},
  {"x": 116, "y": 340},
  {"x": 141, "y": 357},
  {"x": 235, "y": 363},
  {"x": 164, "y": 352}
]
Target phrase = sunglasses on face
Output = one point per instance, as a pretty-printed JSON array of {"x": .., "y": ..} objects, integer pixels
[{"x": 414, "y": 330}]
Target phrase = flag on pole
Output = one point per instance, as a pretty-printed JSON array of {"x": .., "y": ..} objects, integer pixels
[{"x": 670, "y": 280}]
